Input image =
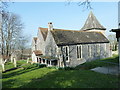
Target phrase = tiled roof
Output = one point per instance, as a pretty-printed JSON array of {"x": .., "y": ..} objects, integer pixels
[
  {"x": 38, "y": 52},
  {"x": 44, "y": 32},
  {"x": 68, "y": 37},
  {"x": 92, "y": 23}
]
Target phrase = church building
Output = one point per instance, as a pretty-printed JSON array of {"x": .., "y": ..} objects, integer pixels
[{"x": 60, "y": 47}]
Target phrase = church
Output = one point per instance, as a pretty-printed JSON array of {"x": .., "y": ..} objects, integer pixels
[{"x": 60, "y": 47}]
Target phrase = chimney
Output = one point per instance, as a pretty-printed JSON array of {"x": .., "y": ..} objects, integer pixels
[{"x": 50, "y": 26}]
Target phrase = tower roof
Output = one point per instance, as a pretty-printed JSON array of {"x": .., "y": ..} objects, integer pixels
[{"x": 92, "y": 23}]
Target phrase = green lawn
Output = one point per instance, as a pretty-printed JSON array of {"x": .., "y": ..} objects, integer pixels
[
  {"x": 100, "y": 63},
  {"x": 36, "y": 77},
  {"x": 10, "y": 65},
  {"x": 53, "y": 78}
]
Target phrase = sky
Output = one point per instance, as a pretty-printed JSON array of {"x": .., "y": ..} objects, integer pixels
[{"x": 63, "y": 16}]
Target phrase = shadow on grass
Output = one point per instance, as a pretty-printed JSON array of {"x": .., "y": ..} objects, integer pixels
[
  {"x": 73, "y": 79},
  {"x": 14, "y": 73},
  {"x": 111, "y": 61}
]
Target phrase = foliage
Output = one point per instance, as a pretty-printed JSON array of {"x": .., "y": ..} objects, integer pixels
[
  {"x": 40, "y": 65},
  {"x": 53, "y": 67},
  {"x": 60, "y": 68},
  {"x": 66, "y": 68}
]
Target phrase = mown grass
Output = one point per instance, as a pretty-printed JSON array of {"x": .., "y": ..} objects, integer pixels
[
  {"x": 111, "y": 61},
  {"x": 36, "y": 77},
  {"x": 10, "y": 65},
  {"x": 53, "y": 78}
]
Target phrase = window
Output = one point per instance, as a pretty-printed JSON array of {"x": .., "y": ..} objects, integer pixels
[
  {"x": 66, "y": 53},
  {"x": 79, "y": 51},
  {"x": 89, "y": 50},
  {"x": 105, "y": 47},
  {"x": 98, "y": 49}
]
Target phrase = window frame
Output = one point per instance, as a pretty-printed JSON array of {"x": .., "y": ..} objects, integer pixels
[
  {"x": 79, "y": 52},
  {"x": 89, "y": 51},
  {"x": 64, "y": 47}
]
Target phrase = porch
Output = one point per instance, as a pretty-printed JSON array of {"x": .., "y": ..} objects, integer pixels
[{"x": 49, "y": 61}]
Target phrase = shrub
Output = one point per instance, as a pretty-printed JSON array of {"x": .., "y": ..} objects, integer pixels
[
  {"x": 66, "y": 68},
  {"x": 60, "y": 68},
  {"x": 42, "y": 65},
  {"x": 69, "y": 68},
  {"x": 53, "y": 67}
]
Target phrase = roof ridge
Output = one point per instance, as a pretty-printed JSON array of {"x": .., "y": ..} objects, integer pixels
[{"x": 66, "y": 30}]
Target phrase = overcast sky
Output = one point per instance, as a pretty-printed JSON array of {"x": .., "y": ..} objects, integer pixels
[{"x": 63, "y": 16}]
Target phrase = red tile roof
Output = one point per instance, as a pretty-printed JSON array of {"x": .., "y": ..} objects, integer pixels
[{"x": 38, "y": 52}]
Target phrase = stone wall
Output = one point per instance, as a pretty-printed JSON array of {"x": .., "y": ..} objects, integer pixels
[
  {"x": 50, "y": 46},
  {"x": 97, "y": 51},
  {"x": 40, "y": 42}
]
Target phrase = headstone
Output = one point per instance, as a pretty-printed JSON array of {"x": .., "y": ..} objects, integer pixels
[
  {"x": 11, "y": 59},
  {"x": 27, "y": 60},
  {"x": 15, "y": 64}
]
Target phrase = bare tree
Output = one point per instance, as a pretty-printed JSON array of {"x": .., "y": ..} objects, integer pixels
[
  {"x": 85, "y": 3},
  {"x": 10, "y": 30},
  {"x": 64, "y": 55},
  {"x": 22, "y": 44},
  {"x": 113, "y": 41}
]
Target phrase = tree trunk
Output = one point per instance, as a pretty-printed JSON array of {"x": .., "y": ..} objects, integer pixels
[
  {"x": 64, "y": 60},
  {"x": 11, "y": 59},
  {"x": 2, "y": 64}
]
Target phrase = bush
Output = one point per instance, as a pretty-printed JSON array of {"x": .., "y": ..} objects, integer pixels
[
  {"x": 66, "y": 68},
  {"x": 42, "y": 65},
  {"x": 53, "y": 67},
  {"x": 39, "y": 65},
  {"x": 60, "y": 68},
  {"x": 69, "y": 68}
]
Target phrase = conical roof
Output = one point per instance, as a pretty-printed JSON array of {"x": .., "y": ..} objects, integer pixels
[{"x": 92, "y": 23}]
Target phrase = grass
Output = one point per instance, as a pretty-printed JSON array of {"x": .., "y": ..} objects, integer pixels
[
  {"x": 53, "y": 78},
  {"x": 36, "y": 77},
  {"x": 99, "y": 63},
  {"x": 9, "y": 65}
]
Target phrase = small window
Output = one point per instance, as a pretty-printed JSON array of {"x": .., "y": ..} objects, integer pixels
[
  {"x": 89, "y": 50},
  {"x": 66, "y": 53},
  {"x": 79, "y": 51},
  {"x": 98, "y": 49}
]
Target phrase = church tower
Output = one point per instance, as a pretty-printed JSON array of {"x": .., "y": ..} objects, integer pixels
[{"x": 93, "y": 25}]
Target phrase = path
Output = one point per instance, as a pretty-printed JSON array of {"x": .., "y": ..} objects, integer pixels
[{"x": 114, "y": 70}]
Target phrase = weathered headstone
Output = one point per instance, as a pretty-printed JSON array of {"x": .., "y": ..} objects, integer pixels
[
  {"x": 27, "y": 60},
  {"x": 15, "y": 64}
]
